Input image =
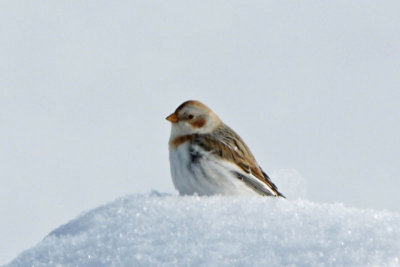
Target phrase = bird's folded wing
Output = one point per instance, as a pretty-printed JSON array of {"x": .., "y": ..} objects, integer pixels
[{"x": 227, "y": 145}]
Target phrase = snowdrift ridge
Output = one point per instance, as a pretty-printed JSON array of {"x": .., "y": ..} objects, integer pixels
[{"x": 161, "y": 229}]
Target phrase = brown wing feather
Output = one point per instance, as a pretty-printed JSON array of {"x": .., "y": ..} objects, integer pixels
[{"x": 225, "y": 143}]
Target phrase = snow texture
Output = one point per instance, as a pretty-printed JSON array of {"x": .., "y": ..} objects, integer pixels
[{"x": 167, "y": 230}]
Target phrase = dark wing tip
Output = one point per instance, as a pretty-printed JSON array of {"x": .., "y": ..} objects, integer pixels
[
  {"x": 280, "y": 195},
  {"x": 256, "y": 186},
  {"x": 274, "y": 187}
]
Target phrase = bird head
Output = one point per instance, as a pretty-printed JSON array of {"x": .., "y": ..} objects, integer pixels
[{"x": 193, "y": 117}]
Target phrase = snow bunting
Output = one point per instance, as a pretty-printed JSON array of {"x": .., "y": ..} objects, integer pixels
[{"x": 207, "y": 157}]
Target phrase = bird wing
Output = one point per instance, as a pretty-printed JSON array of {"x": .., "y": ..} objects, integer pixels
[{"x": 226, "y": 144}]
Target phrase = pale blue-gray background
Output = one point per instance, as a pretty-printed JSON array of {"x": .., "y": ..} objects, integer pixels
[{"x": 85, "y": 86}]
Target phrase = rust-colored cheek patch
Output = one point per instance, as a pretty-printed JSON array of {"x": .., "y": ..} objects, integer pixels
[{"x": 198, "y": 123}]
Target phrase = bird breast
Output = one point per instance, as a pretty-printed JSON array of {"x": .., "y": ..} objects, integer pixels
[{"x": 195, "y": 171}]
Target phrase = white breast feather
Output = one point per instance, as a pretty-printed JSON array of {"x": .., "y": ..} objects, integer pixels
[{"x": 208, "y": 175}]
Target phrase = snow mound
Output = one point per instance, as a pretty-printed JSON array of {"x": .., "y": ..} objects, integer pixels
[{"x": 160, "y": 229}]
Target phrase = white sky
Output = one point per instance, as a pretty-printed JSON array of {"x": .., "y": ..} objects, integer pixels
[{"x": 85, "y": 87}]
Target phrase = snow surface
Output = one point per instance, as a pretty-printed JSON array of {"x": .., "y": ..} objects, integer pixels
[{"x": 161, "y": 229}]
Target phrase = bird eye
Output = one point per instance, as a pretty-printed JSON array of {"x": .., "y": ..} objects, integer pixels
[{"x": 190, "y": 116}]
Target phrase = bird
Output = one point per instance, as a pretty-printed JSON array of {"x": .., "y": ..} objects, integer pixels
[{"x": 208, "y": 158}]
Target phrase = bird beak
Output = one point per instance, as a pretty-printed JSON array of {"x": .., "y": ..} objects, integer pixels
[{"x": 172, "y": 118}]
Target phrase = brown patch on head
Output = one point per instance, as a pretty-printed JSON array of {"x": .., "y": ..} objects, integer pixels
[
  {"x": 180, "y": 140},
  {"x": 196, "y": 114},
  {"x": 198, "y": 123},
  {"x": 192, "y": 103}
]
